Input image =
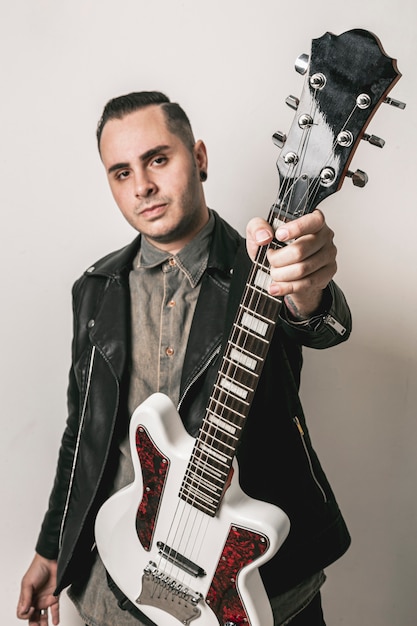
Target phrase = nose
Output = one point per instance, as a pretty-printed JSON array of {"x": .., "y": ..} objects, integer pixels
[{"x": 144, "y": 185}]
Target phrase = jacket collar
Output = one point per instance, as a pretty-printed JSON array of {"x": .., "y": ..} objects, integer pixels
[{"x": 222, "y": 253}]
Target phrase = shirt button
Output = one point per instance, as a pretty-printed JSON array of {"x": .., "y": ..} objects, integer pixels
[
  {"x": 169, "y": 351},
  {"x": 171, "y": 303},
  {"x": 172, "y": 262}
]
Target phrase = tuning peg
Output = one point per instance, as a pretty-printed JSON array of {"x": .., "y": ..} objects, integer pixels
[
  {"x": 395, "y": 103},
  {"x": 301, "y": 63},
  {"x": 359, "y": 178},
  {"x": 279, "y": 138},
  {"x": 292, "y": 102},
  {"x": 374, "y": 140}
]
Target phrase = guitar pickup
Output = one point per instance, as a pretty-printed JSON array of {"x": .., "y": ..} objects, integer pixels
[{"x": 180, "y": 560}]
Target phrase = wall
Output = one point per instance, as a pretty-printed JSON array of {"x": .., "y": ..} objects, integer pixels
[{"x": 231, "y": 65}]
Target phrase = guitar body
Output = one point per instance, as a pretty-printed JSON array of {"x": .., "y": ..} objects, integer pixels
[{"x": 211, "y": 573}]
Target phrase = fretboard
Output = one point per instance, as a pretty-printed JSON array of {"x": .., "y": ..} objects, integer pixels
[{"x": 210, "y": 463}]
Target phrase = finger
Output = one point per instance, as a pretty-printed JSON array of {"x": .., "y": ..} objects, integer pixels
[
  {"x": 43, "y": 616},
  {"x": 258, "y": 233},
  {"x": 25, "y": 613},
  {"x": 24, "y": 608},
  {"x": 55, "y": 613},
  {"x": 305, "y": 225},
  {"x": 35, "y": 619},
  {"x": 316, "y": 281},
  {"x": 295, "y": 264},
  {"x": 38, "y": 617}
]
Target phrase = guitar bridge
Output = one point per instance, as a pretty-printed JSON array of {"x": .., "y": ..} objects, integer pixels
[{"x": 169, "y": 595}]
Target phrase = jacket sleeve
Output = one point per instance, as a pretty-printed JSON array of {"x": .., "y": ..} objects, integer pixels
[
  {"x": 49, "y": 537},
  {"x": 329, "y": 327}
]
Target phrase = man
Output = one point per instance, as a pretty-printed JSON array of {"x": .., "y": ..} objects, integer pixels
[{"x": 152, "y": 317}]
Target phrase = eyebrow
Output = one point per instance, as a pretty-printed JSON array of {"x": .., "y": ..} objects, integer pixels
[{"x": 143, "y": 157}]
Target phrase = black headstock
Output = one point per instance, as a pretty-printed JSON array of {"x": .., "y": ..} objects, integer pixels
[{"x": 347, "y": 78}]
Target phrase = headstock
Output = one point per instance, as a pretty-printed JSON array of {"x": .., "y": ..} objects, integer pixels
[{"x": 347, "y": 78}]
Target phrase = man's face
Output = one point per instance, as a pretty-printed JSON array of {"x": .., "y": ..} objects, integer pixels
[{"x": 155, "y": 178}]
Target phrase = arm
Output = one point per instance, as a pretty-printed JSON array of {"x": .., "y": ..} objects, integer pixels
[
  {"x": 49, "y": 537},
  {"x": 39, "y": 583},
  {"x": 36, "y": 592}
]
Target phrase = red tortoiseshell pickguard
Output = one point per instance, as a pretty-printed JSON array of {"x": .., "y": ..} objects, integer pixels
[
  {"x": 241, "y": 548},
  {"x": 154, "y": 468}
]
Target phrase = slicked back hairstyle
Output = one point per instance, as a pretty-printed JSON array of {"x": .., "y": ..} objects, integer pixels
[{"x": 175, "y": 117}]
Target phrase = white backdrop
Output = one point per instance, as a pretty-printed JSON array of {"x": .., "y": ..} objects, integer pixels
[{"x": 230, "y": 64}]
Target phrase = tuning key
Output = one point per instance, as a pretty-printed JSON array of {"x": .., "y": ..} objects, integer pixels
[
  {"x": 359, "y": 178},
  {"x": 395, "y": 103},
  {"x": 301, "y": 63},
  {"x": 374, "y": 140},
  {"x": 279, "y": 138},
  {"x": 292, "y": 102}
]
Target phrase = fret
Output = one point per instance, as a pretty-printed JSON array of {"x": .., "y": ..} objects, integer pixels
[
  {"x": 241, "y": 376},
  {"x": 223, "y": 397},
  {"x": 221, "y": 408},
  {"x": 212, "y": 453},
  {"x": 256, "y": 313},
  {"x": 232, "y": 368},
  {"x": 243, "y": 359},
  {"x": 249, "y": 342},
  {"x": 201, "y": 484},
  {"x": 211, "y": 439},
  {"x": 254, "y": 323},
  {"x": 264, "y": 294},
  {"x": 212, "y": 473},
  {"x": 262, "y": 280},
  {"x": 217, "y": 434},
  {"x": 221, "y": 423},
  {"x": 202, "y": 506},
  {"x": 233, "y": 388},
  {"x": 264, "y": 305},
  {"x": 195, "y": 496},
  {"x": 250, "y": 334}
]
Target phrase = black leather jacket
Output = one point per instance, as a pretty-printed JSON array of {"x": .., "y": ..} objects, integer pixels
[{"x": 277, "y": 462}]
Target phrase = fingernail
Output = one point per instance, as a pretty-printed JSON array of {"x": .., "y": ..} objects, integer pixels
[
  {"x": 261, "y": 236},
  {"x": 281, "y": 234},
  {"x": 274, "y": 290}
]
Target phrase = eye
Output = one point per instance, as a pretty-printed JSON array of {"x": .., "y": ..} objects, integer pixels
[
  {"x": 122, "y": 175},
  {"x": 159, "y": 160}
]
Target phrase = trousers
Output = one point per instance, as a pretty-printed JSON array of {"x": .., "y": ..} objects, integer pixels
[{"x": 312, "y": 615}]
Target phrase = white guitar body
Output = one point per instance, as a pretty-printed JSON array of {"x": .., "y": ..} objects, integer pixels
[{"x": 208, "y": 570}]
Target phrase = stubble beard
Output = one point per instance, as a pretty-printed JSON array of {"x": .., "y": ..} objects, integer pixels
[{"x": 191, "y": 215}]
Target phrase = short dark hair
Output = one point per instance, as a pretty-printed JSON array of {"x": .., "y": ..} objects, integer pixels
[{"x": 176, "y": 118}]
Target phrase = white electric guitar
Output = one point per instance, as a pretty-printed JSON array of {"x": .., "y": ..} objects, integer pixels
[{"x": 183, "y": 542}]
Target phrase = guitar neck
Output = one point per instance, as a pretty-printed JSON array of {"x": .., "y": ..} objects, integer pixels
[{"x": 210, "y": 463}]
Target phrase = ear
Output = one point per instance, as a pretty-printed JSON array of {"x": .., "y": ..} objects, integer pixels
[{"x": 200, "y": 155}]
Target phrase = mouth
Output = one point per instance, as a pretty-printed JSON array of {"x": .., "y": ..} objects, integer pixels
[{"x": 155, "y": 210}]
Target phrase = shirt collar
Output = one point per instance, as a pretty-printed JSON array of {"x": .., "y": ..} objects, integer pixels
[{"x": 192, "y": 259}]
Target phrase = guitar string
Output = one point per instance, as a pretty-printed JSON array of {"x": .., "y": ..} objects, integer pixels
[
  {"x": 311, "y": 192},
  {"x": 210, "y": 434},
  {"x": 201, "y": 463},
  {"x": 216, "y": 434}
]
